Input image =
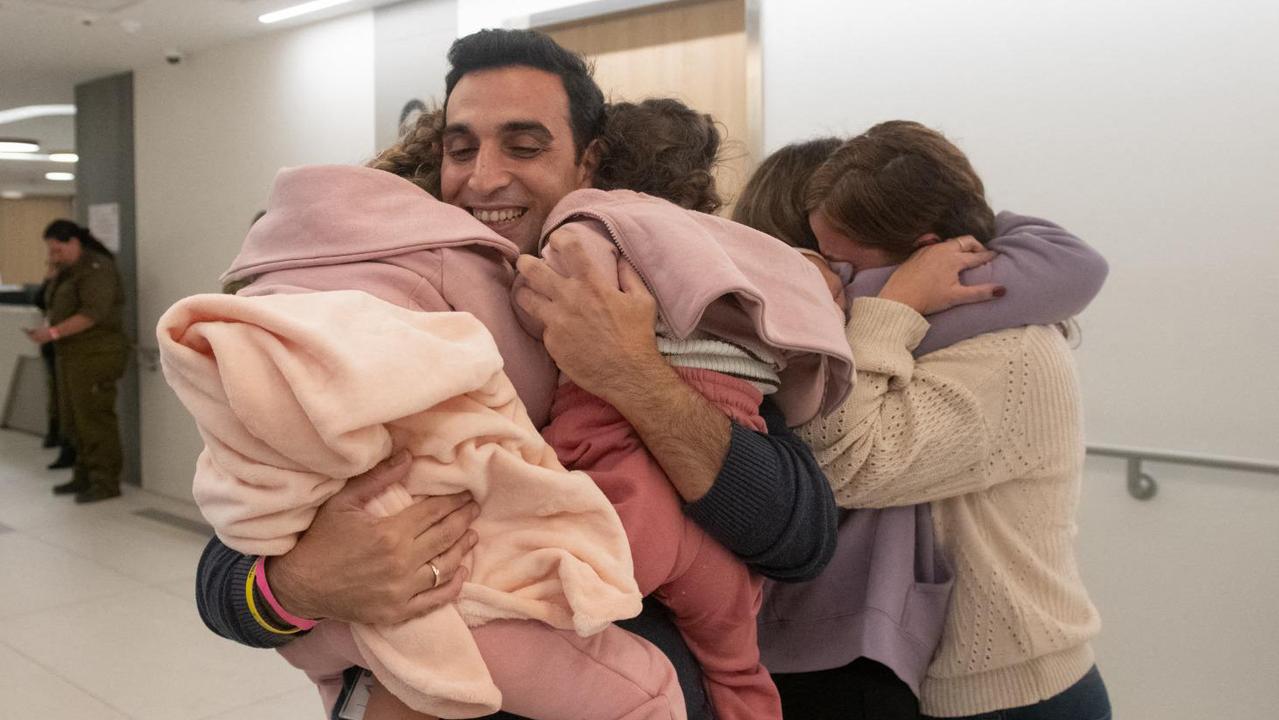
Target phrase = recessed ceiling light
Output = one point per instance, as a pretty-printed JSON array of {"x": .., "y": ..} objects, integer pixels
[
  {"x": 28, "y": 112},
  {"x": 59, "y": 176},
  {"x": 12, "y": 195},
  {"x": 296, "y": 10},
  {"x": 17, "y": 145},
  {"x": 64, "y": 157}
]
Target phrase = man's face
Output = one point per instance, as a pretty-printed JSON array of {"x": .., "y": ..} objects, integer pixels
[
  {"x": 837, "y": 245},
  {"x": 508, "y": 150}
]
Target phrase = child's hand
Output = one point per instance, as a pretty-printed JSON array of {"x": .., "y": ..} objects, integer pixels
[
  {"x": 833, "y": 281},
  {"x": 929, "y": 281}
]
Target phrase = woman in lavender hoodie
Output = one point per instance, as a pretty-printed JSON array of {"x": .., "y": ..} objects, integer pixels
[{"x": 859, "y": 640}]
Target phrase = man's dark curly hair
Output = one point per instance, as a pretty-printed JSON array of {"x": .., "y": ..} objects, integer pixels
[{"x": 490, "y": 49}]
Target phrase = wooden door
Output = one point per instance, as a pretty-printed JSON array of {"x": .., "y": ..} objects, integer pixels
[
  {"x": 695, "y": 51},
  {"x": 22, "y": 224}
]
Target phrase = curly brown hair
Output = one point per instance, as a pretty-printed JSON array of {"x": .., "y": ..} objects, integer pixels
[
  {"x": 418, "y": 154},
  {"x": 898, "y": 181},
  {"x": 660, "y": 147}
]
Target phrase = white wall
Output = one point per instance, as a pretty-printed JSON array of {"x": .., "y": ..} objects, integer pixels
[
  {"x": 210, "y": 135},
  {"x": 411, "y": 43},
  {"x": 1148, "y": 128},
  {"x": 473, "y": 15}
]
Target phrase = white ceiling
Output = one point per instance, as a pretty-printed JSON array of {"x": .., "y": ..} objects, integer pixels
[{"x": 47, "y": 47}]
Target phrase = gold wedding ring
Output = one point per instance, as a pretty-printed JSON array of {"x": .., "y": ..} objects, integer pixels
[{"x": 437, "y": 575}]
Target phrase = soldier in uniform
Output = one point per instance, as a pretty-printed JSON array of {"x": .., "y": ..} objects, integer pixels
[{"x": 85, "y": 313}]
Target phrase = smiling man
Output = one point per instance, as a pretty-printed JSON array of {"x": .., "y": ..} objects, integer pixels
[
  {"x": 521, "y": 118},
  {"x": 510, "y": 162}
]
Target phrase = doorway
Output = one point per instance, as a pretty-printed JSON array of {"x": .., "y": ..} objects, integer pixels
[{"x": 704, "y": 53}]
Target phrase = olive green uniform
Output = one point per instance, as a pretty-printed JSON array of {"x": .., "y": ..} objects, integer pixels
[{"x": 89, "y": 364}]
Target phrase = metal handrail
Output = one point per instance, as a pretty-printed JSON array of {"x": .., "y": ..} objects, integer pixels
[{"x": 1143, "y": 487}]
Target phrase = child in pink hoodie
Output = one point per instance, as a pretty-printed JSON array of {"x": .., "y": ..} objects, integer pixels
[
  {"x": 741, "y": 316},
  {"x": 301, "y": 381}
]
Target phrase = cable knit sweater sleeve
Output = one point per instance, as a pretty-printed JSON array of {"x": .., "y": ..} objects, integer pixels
[{"x": 950, "y": 423}]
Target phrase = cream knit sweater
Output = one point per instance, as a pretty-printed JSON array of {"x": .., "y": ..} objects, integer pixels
[{"x": 989, "y": 432}]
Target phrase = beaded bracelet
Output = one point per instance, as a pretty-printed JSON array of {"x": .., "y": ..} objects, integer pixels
[
  {"x": 253, "y": 608},
  {"x": 299, "y": 622}
]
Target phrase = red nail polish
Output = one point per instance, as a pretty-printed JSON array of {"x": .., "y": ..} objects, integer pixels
[{"x": 1000, "y": 292}]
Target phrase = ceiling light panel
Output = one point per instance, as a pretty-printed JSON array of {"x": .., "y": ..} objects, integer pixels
[
  {"x": 16, "y": 145},
  {"x": 29, "y": 112},
  {"x": 26, "y": 157},
  {"x": 301, "y": 9}
]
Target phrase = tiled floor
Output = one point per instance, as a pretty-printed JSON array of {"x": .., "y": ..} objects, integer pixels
[{"x": 97, "y": 612}]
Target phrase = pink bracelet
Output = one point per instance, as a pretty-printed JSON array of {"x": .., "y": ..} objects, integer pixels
[{"x": 265, "y": 589}]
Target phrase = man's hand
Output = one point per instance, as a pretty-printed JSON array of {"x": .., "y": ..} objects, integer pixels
[
  {"x": 929, "y": 281},
  {"x": 600, "y": 336},
  {"x": 603, "y": 338},
  {"x": 355, "y": 567}
]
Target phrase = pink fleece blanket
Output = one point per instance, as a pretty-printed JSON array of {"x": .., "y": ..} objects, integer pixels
[{"x": 294, "y": 393}]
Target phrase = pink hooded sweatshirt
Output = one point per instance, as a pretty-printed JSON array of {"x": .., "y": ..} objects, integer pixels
[
  {"x": 716, "y": 276},
  {"x": 293, "y": 393},
  {"x": 337, "y": 227}
]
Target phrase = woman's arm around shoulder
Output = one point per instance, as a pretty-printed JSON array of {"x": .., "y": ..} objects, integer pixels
[{"x": 1048, "y": 275}]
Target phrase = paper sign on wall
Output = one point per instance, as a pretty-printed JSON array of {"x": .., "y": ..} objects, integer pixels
[{"x": 104, "y": 223}]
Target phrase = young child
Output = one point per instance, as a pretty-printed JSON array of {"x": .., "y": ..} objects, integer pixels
[
  {"x": 377, "y": 319},
  {"x": 741, "y": 317}
]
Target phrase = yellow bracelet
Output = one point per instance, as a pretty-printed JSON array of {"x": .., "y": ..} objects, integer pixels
[{"x": 253, "y": 608}]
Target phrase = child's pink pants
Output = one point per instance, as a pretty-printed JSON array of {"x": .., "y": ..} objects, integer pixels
[{"x": 713, "y": 597}]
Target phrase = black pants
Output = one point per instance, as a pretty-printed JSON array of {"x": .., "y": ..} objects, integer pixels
[{"x": 861, "y": 689}]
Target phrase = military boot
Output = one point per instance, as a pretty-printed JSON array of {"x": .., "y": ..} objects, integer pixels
[
  {"x": 79, "y": 483},
  {"x": 95, "y": 493},
  {"x": 66, "y": 459}
]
